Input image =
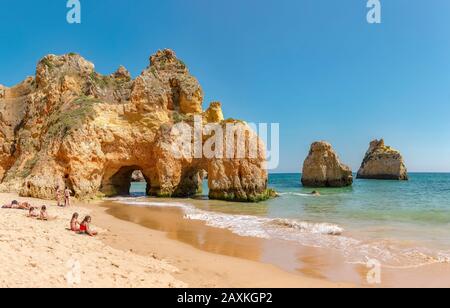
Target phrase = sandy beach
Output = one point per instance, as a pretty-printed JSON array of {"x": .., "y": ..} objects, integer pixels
[
  {"x": 34, "y": 253},
  {"x": 37, "y": 253},
  {"x": 153, "y": 247}
]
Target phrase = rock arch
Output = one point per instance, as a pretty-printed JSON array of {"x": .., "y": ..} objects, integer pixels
[
  {"x": 120, "y": 182},
  {"x": 71, "y": 124}
]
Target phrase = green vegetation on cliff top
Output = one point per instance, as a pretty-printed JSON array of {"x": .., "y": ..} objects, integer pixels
[{"x": 62, "y": 123}]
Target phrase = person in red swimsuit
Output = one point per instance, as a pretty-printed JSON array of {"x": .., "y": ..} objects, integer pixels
[{"x": 85, "y": 227}]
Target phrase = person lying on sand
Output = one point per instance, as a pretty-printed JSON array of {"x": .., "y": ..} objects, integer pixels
[
  {"x": 74, "y": 224},
  {"x": 24, "y": 206},
  {"x": 85, "y": 227},
  {"x": 43, "y": 215},
  {"x": 12, "y": 205},
  {"x": 15, "y": 205},
  {"x": 33, "y": 212}
]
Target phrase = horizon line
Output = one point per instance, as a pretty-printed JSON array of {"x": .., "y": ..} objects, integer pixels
[{"x": 410, "y": 172}]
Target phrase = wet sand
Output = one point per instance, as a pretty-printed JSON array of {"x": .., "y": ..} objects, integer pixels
[
  {"x": 213, "y": 257},
  {"x": 204, "y": 256}
]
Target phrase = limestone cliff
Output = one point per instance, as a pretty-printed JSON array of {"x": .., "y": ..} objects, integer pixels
[
  {"x": 382, "y": 162},
  {"x": 322, "y": 168},
  {"x": 71, "y": 126}
]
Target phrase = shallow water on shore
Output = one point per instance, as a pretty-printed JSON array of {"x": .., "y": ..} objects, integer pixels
[
  {"x": 286, "y": 255},
  {"x": 400, "y": 224}
]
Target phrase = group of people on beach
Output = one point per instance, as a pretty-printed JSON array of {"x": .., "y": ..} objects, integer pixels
[
  {"x": 63, "y": 200},
  {"x": 83, "y": 227},
  {"x": 42, "y": 214},
  {"x": 33, "y": 212},
  {"x": 63, "y": 196},
  {"x": 16, "y": 205}
]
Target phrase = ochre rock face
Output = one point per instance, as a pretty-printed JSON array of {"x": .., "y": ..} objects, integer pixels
[
  {"x": 70, "y": 126},
  {"x": 322, "y": 168},
  {"x": 214, "y": 113},
  {"x": 382, "y": 163}
]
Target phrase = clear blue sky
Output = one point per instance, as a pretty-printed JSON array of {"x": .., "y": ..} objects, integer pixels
[{"x": 315, "y": 66}]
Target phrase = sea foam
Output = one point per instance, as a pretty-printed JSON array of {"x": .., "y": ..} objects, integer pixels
[
  {"x": 244, "y": 225},
  {"x": 310, "y": 234},
  {"x": 303, "y": 226}
]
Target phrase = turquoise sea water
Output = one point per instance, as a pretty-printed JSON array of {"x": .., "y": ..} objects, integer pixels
[
  {"x": 402, "y": 208},
  {"x": 397, "y": 222}
]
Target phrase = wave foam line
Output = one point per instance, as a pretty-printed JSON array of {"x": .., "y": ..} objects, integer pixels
[
  {"x": 309, "y": 234},
  {"x": 245, "y": 225}
]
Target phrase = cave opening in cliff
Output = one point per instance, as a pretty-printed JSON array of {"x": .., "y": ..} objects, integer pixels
[
  {"x": 138, "y": 184},
  {"x": 194, "y": 184},
  {"x": 202, "y": 186},
  {"x": 204, "y": 182},
  {"x": 127, "y": 181}
]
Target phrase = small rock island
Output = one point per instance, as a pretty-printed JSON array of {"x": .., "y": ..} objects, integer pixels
[
  {"x": 382, "y": 163},
  {"x": 322, "y": 168}
]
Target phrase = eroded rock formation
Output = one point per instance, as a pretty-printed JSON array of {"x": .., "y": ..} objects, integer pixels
[
  {"x": 382, "y": 163},
  {"x": 214, "y": 113},
  {"x": 322, "y": 168},
  {"x": 70, "y": 126}
]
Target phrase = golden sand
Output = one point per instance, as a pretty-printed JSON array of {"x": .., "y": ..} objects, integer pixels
[
  {"x": 142, "y": 247},
  {"x": 37, "y": 253}
]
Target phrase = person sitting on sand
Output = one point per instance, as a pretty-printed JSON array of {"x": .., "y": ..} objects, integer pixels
[
  {"x": 59, "y": 196},
  {"x": 85, "y": 227},
  {"x": 43, "y": 214},
  {"x": 74, "y": 224},
  {"x": 67, "y": 194},
  {"x": 33, "y": 213}
]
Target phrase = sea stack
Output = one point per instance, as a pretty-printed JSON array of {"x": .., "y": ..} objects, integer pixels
[
  {"x": 382, "y": 163},
  {"x": 322, "y": 168}
]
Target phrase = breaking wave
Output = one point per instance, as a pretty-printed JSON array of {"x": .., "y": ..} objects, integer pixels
[
  {"x": 316, "y": 228},
  {"x": 310, "y": 234},
  {"x": 295, "y": 194}
]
